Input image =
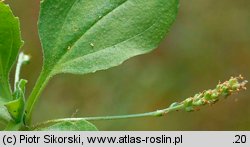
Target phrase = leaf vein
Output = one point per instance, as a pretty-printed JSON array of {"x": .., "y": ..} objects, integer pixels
[
  {"x": 109, "y": 12},
  {"x": 78, "y": 38},
  {"x": 79, "y": 58}
]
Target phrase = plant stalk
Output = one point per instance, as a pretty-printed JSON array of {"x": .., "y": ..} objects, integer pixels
[
  {"x": 38, "y": 88},
  {"x": 157, "y": 113}
]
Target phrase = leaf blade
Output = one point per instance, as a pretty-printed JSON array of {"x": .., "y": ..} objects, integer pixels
[
  {"x": 10, "y": 43},
  {"x": 96, "y": 35}
]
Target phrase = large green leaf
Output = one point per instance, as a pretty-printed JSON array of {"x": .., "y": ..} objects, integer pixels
[
  {"x": 10, "y": 42},
  {"x": 84, "y": 36},
  {"x": 71, "y": 126}
]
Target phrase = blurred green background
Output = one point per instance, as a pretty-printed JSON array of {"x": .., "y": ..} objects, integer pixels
[{"x": 210, "y": 41}]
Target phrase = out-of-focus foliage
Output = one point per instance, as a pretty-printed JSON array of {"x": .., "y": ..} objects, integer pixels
[{"x": 210, "y": 41}]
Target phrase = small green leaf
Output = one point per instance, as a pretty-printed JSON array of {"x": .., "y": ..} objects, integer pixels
[
  {"x": 17, "y": 106},
  {"x": 14, "y": 110},
  {"x": 10, "y": 43},
  {"x": 84, "y": 36},
  {"x": 70, "y": 126}
]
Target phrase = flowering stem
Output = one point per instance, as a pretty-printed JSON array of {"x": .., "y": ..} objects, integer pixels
[{"x": 210, "y": 97}]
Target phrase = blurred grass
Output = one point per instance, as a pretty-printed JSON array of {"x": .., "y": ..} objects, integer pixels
[{"x": 210, "y": 41}]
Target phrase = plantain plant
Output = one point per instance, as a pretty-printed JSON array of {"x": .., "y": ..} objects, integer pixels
[{"x": 80, "y": 37}]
